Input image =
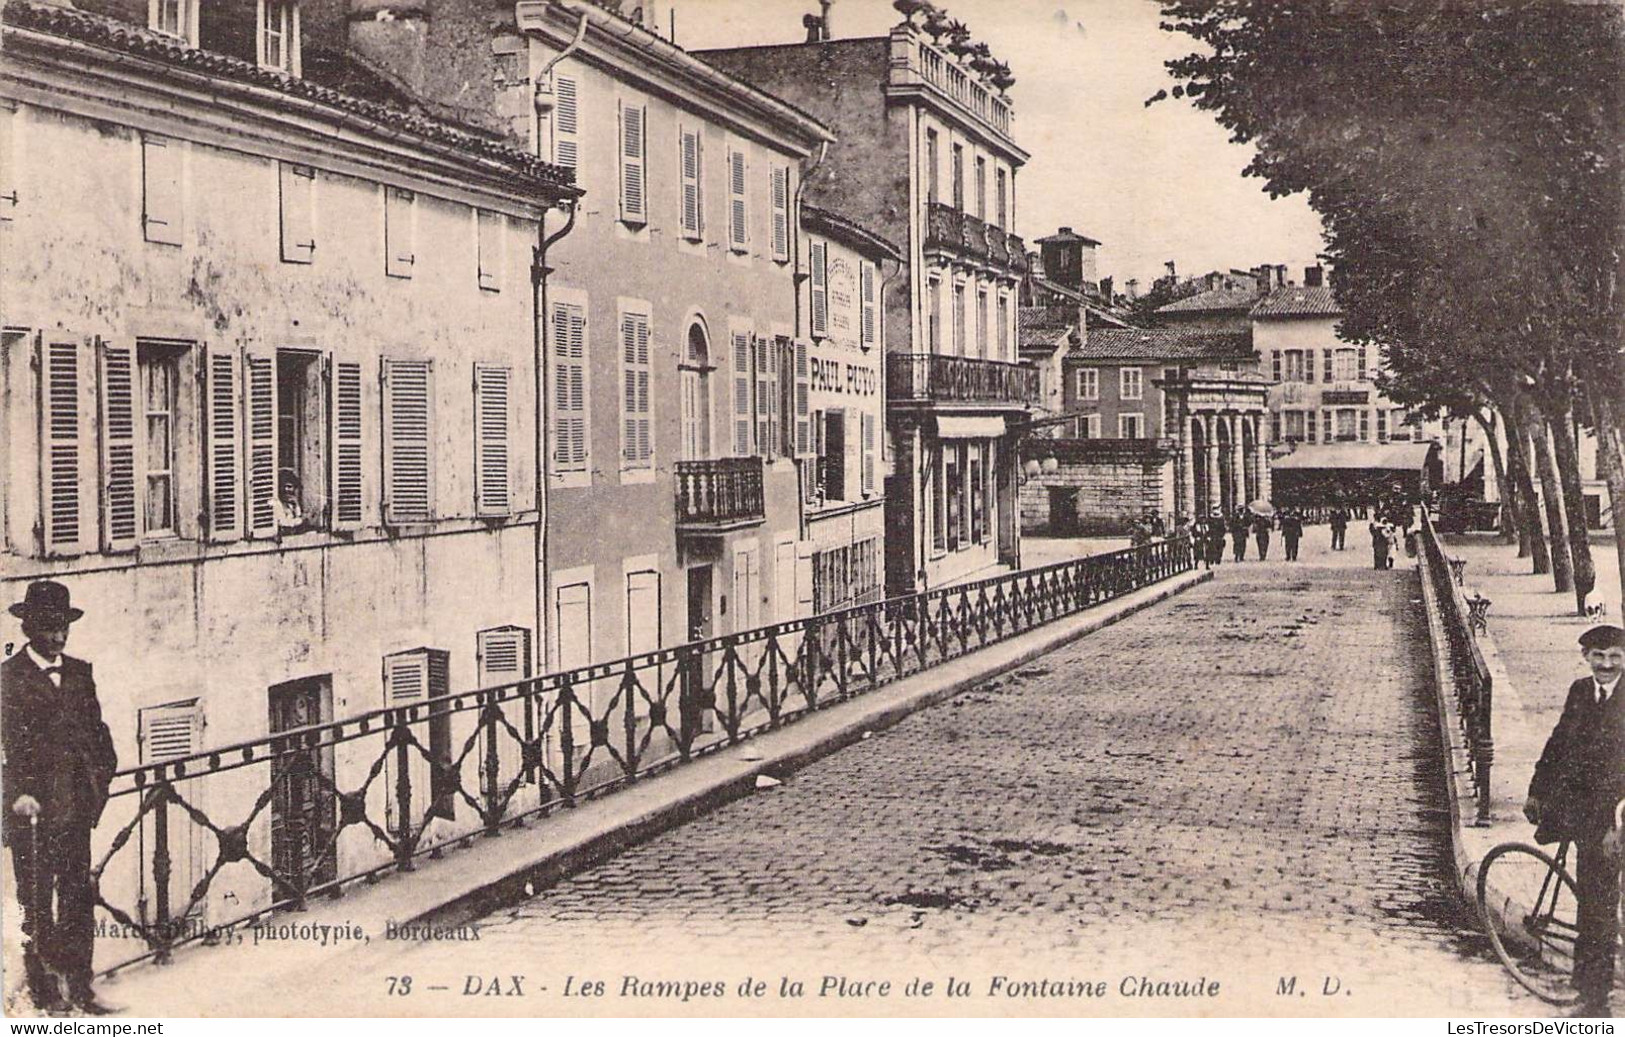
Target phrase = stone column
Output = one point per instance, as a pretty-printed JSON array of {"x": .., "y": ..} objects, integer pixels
[
  {"x": 1263, "y": 463},
  {"x": 1238, "y": 467},
  {"x": 1186, "y": 499},
  {"x": 1211, "y": 424}
]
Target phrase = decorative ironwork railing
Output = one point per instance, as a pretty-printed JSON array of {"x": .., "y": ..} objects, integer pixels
[
  {"x": 719, "y": 492},
  {"x": 962, "y": 234},
  {"x": 216, "y": 841},
  {"x": 959, "y": 379},
  {"x": 1469, "y": 673}
]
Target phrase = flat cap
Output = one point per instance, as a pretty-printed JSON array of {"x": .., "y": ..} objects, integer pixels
[{"x": 1604, "y": 636}]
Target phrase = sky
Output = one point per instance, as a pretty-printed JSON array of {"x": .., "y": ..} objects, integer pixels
[{"x": 1151, "y": 184}]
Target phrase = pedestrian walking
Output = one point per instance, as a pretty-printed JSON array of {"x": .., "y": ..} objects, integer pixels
[
  {"x": 1239, "y": 527},
  {"x": 1262, "y": 525},
  {"x": 1215, "y": 540},
  {"x": 1379, "y": 545},
  {"x": 59, "y": 761},
  {"x": 1340, "y": 527},
  {"x": 1291, "y": 533},
  {"x": 1578, "y": 783}
]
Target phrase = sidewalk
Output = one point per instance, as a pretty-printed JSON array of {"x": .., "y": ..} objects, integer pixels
[
  {"x": 1533, "y": 655},
  {"x": 441, "y": 899}
]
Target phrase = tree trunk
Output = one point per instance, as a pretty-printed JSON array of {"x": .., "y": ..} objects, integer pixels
[
  {"x": 1529, "y": 510},
  {"x": 1550, "y": 499},
  {"x": 1561, "y": 426},
  {"x": 1504, "y": 488},
  {"x": 1611, "y": 459}
]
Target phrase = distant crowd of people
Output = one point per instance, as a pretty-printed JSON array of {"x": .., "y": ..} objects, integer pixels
[{"x": 1391, "y": 525}]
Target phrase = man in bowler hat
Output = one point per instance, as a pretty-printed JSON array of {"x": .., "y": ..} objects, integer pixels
[
  {"x": 1578, "y": 784},
  {"x": 59, "y": 761}
]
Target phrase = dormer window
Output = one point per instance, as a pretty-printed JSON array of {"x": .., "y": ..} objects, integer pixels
[
  {"x": 279, "y": 35},
  {"x": 174, "y": 17}
]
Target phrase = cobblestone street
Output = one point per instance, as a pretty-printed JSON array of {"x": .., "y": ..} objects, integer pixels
[{"x": 1242, "y": 784}]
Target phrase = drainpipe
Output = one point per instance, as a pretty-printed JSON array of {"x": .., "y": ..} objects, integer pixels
[
  {"x": 539, "y": 330},
  {"x": 796, "y": 279}
]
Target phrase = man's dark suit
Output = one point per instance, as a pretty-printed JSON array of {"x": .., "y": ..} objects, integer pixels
[
  {"x": 57, "y": 750},
  {"x": 1579, "y": 779}
]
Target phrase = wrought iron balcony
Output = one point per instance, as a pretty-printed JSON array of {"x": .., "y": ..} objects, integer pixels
[
  {"x": 720, "y": 494},
  {"x": 932, "y": 378},
  {"x": 964, "y": 236}
]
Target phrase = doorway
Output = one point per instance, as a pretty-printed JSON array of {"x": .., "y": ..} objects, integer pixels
[
  {"x": 696, "y": 697},
  {"x": 304, "y": 803}
]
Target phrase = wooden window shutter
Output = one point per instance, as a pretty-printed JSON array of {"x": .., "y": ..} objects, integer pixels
[
  {"x": 171, "y": 731},
  {"x": 634, "y": 203},
  {"x": 259, "y": 375},
  {"x": 868, "y": 431},
  {"x": 742, "y": 407},
  {"x": 738, "y": 209},
  {"x": 781, "y": 214},
  {"x": 693, "y": 215},
  {"x": 819, "y": 257},
  {"x": 65, "y": 479},
  {"x": 803, "y": 377},
  {"x": 566, "y": 123},
  {"x": 569, "y": 388},
  {"x": 502, "y": 657},
  {"x": 400, "y": 249},
  {"x": 162, "y": 211},
  {"x": 223, "y": 457},
  {"x": 491, "y": 452},
  {"x": 407, "y": 683},
  {"x": 1275, "y": 363},
  {"x": 408, "y": 441},
  {"x": 637, "y": 447},
  {"x": 120, "y": 504},
  {"x": 345, "y": 406},
  {"x": 297, "y": 185},
  {"x": 870, "y": 327}
]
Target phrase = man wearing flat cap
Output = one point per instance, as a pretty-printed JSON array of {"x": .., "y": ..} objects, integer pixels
[
  {"x": 59, "y": 761},
  {"x": 1578, "y": 786}
]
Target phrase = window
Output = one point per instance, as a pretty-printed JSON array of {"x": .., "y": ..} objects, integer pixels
[
  {"x": 160, "y": 380},
  {"x": 981, "y": 188},
  {"x": 1089, "y": 426},
  {"x": 832, "y": 458},
  {"x": 1275, "y": 427},
  {"x": 693, "y": 179},
  {"x": 936, "y": 496},
  {"x": 981, "y": 323},
  {"x": 958, "y": 175},
  {"x": 1001, "y": 211},
  {"x": 162, "y": 207},
  {"x": 408, "y": 440},
  {"x": 781, "y": 214},
  {"x": 1294, "y": 426},
  {"x": 1345, "y": 424},
  {"x": 490, "y": 258},
  {"x": 1275, "y": 362},
  {"x": 637, "y": 442},
  {"x": 1131, "y": 384},
  {"x": 934, "y": 318},
  {"x": 1347, "y": 367},
  {"x": 818, "y": 279},
  {"x": 174, "y": 17},
  {"x": 738, "y": 202},
  {"x": 959, "y": 320},
  {"x": 867, "y": 290},
  {"x": 633, "y": 156},
  {"x": 1130, "y": 426},
  {"x": 566, "y": 123},
  {"x": 1292, "y": 362},
  {"x": 1311, "y": 426},
  {"x": 301, "y": 461},
  {"x": 978, "y": 493},
  {"x": 492, "y": 388},
  {"x": 1004, "y": 328},
  {"x": 1382, "y": 425},
  {"x": 400, "y": 232},
  {"x": 410, "y": 680},
  {"x": 931, "y": 160},
  {"x": 1365, "y": 425},
  {"x": 1326, "y": 367},
  {"x": 569, "y": 388},
  {"x": 1359, "y": 365},
  {"x": 297, "y": 188},
  {"x": 278, "y": 45},
  {"x": 953, "y": 488},
  {"x": 1308, "y": 365},
  {"x": 1088, "y": 384}
]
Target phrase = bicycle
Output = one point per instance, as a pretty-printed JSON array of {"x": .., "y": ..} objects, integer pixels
[{"x": 1528, "y": 904}]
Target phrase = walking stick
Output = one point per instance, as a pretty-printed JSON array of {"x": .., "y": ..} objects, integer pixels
[{"x": 42, "y": 906}]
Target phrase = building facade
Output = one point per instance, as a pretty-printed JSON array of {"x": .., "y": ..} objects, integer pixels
[
  {"x": 267, "y": 403},
  {"x": 926, "y": 158}
]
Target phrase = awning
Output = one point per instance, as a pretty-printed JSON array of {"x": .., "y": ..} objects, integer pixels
[
  {"x": 951, "y": 427},
  {"x": 1391, "y": 457}
]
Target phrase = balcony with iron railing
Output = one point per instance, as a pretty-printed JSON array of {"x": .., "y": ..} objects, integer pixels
[
  {"x": 718, "y": 495},
  {"x": 959, "y": 235},
  {"x": 930, "y": 378}
]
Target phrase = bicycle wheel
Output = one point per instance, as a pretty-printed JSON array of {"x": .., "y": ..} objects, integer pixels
[{"x": 1530, "y": 911}]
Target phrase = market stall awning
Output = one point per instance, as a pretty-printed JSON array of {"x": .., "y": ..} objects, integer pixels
[{"x": 1384, "y": 457}]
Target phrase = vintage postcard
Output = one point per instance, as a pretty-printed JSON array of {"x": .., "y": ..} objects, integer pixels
[{"x": 811, "y": 507}]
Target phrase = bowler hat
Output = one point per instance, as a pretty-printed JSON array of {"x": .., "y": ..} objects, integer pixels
[
  {"x": 1604, "y": 637},
  {"x": 46, "y": 596}
]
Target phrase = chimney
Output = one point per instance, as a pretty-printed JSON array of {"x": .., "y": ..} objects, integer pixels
[
  {"x": 392, "y": 35},
  {"x": 1131, "y": 288},
  {"x": 824, "y": 9},
  {"x": 1169, "y": 266},
  {"x": 1312, "y": 276},
  {"x": 1106, "y": 288},
  {"x": 1280, "y": 275}
]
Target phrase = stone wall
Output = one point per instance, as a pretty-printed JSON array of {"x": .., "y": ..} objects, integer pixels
[{"x": 1111, "y": 482}]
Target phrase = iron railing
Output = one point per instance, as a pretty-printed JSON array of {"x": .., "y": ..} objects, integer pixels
[
  {"x": 937, "y": 378},
  {"x": 967, "y": 236},
  {"x": 1469, "y": 674},
  {"x": 725, "y": 491},
  {"x": 214, "y": 842}
]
